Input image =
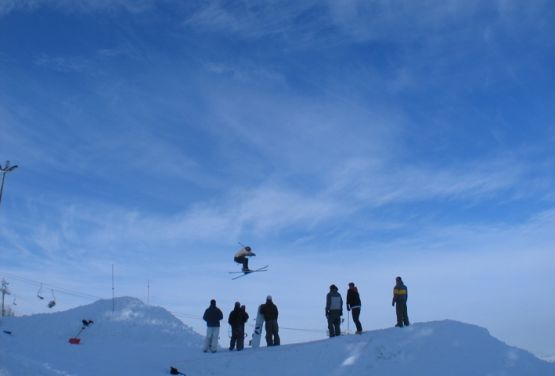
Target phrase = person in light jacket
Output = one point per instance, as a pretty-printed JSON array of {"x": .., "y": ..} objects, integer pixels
[{"x": 334, "y": 311}]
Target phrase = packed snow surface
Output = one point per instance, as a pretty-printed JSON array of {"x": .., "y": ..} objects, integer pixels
[{"x": 136, "y": 339}]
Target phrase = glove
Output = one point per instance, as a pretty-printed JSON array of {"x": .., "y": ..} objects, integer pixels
[
  {"x": 392, "y": 304},
  {"x": 341, "y": 313},
  {"x": 348, "y": 309}
]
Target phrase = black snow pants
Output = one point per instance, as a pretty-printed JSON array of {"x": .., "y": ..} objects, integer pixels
[
  {"x": 356, "y": 315},
  {"x": 237, "y": 336},
  {"x": 272, "y": 333},
  {"x": 402, "y": 316},
  {"x": 334, "y": 323}
]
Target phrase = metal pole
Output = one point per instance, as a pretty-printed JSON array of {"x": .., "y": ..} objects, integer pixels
[
  {"x": 5, "y": 170},
  {"x": 5, "y": 292},
  {"x": 113, "y": 289}
]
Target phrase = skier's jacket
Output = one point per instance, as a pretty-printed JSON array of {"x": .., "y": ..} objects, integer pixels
[
  {"x": 353, "y": 299},
  {"x": 243, "y": 252},
  {"x": 212, "y": 316},
  {"x": 334, "y": 302},
  {"x": 400, "y": 293},
  {"x": 237, "y": 317},
  {"x": 269, "y": 310}
]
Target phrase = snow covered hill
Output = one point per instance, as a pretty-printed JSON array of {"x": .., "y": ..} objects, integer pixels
[{"x": 137, "y": 339}]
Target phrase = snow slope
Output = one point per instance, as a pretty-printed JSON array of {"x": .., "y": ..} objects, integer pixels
[{"x": 142, "y": 340}]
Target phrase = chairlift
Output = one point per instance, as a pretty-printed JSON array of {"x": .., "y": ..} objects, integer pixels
[
  {"x": 52, "y": 303},
  {"x": 14, "y": 300},
  {"x": 39, "y": 293}
]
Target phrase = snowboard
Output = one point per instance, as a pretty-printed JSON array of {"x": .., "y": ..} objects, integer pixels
[{"x": 257, "y": 333}]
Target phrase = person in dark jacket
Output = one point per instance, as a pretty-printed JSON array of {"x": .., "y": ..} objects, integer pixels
[
  {"x": 354, "y": 305},
  {"x": 270, "y": 312},
  {"x": 213, "y": 315},
  {"x": 400, "y": 296},
  {"x": 334, "y": 311},
  {"x": 237, "y": 319}
]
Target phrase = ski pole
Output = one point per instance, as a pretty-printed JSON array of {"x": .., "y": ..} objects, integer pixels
[{"x": 348, "y": 323}]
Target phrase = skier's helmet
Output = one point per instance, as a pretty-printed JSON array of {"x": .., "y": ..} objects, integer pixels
[{"x": 247, "y": 248}]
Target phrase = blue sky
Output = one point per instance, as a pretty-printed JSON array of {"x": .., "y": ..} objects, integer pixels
[{"x": 344, "y": 141}]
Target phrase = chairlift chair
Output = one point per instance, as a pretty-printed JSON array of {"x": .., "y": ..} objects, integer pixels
[
  {"x": 52, "y": 303},
  {"x": 39, "y": 293}
]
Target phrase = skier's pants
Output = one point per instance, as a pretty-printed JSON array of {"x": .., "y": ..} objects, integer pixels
[
  {"x": 237, "y": 335},
  {"x": 334, "y": 322},
  {"x": 211, "y": 341},
  {"x": 272, "y": 333},
  {"x": 401, "y": 311},
  {"x": 242, "y": 260},
  {"x": 356, "y": 315}
]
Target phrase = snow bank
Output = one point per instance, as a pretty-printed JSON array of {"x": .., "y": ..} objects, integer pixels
[{"x": 141, "y": 340}]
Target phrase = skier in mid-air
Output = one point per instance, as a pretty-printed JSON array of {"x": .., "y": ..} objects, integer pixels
[{"x": 241, "y": 257}]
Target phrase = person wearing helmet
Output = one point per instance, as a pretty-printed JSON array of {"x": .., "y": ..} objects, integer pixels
[{"x": 241, "y": 257}]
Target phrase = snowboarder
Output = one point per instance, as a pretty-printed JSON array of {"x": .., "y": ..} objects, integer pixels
[
  {"x": 270, "y": 312},
  {"x": 334, "y": 311},
  {"x": 241, "y": 257},
  {"x": 400, "y": 296},
  {"x": 237, "y": 319},
  {"x": 354, "y": 305},
  {"x": 213, "y": 315}
]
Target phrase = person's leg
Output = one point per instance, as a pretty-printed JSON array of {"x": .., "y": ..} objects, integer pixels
[
  {"x": 405, "y": 315},
  {"x": 356, "y": 320},
  {"x": 240, "y": 338},
  {"x": 233, "y": 339},
  {"x": 276, "y": 333},
  {"x": 215, "y": 335},
  {"x": 269, "y": 336},
  {"x": 207, "y": 340},
  {"x": 399, "y": 312},
  {"x": 337, "y": 324},
  {"x": 331, "y": 328}
]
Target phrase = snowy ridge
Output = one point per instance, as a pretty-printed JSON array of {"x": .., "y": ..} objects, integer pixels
[{"x": 137, "y": 339}]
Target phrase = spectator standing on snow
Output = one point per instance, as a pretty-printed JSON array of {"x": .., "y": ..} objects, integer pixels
[
  {"x": 400, "y": 296},
  {"x": 213, "y": 315},
  {"x": 270, "y": 312},
  {"x": 237, "y": 319},
  {"x": 354, "y": 305},
  {"x": 334, "y": 311}
]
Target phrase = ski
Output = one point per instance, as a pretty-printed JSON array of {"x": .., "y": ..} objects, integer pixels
[{"x": 262, "y": 269}]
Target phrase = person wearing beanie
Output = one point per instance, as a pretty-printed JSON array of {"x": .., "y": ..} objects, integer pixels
[
  {"x": 354, "y": 305},
  {"x": 241, "y": 257},
  {"x": 334, "y": 311},
  {"x": 213, "y": 315},
  {"x": 237, "y": 319},
  {"x": 400, "y": 296},
  {"x": 270, "y": 312}
]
